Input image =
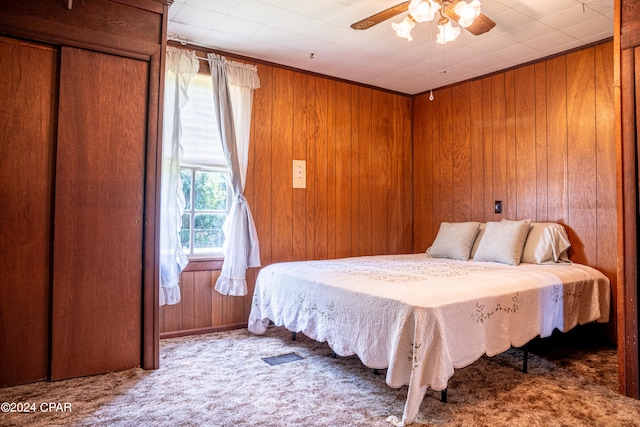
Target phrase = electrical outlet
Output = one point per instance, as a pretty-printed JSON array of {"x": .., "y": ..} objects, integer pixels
[{"x": 299, "y": 174}]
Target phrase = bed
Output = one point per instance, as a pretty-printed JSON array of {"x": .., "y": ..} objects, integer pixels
[{"x": 420, "y": 316}]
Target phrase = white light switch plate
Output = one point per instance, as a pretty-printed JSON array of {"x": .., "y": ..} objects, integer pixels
[{"x": 299, "y": 174}]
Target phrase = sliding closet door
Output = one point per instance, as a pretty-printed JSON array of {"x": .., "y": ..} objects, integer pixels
[
  {"x": 97, "y": 261},
  {"x": 28, "y": 81}
]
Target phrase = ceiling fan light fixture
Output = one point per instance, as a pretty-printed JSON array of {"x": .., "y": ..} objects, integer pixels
[
  {"x": 467, "y": 12},
  {"x": 403, "y": 29},
  {"x": 448, "y": 33},
  {"x": 423, "y": 10}
]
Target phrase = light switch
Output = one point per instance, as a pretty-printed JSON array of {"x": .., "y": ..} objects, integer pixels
[{"x": 299, "y": 174}]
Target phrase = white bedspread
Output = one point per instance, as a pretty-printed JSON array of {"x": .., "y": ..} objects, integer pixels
[{"x": 423, "y": 317}]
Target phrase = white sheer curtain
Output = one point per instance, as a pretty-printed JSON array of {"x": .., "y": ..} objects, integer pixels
[
  {"x": 181, "y": 65},
  {"x": 233, "y": 85}
]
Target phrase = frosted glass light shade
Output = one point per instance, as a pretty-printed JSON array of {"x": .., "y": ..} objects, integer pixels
[
  {"x": 467, "y": 12},
  {"x": 423, "y": 10},
  {"x": 448, "y": 33},
  {"x": 403, "y": 29}
]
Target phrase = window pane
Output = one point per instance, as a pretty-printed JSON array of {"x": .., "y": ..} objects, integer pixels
[
  {"x": 210, "y": 191},
  {"x": 185, "y": 175},
  {"x": 185, "y": 231},
  {"x": 208, "y": 236}
]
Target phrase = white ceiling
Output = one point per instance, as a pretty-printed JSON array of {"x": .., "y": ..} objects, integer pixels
[{"x": 290, "y": 32}]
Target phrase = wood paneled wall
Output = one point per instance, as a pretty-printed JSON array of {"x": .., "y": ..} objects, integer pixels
[
  {"x": 356, "y": 142},
  {"x": 540, "y": 138}
]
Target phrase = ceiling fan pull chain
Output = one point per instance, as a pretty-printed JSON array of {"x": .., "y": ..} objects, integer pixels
[
  {"x": 431, "y": 60},
  {"x": 444, "y": 60}
]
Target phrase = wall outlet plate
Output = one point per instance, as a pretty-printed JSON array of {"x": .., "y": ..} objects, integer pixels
[{"x": 299, "y": 174}]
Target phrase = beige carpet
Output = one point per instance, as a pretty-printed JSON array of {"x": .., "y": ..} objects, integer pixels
[{"x": 220, "y": 380}]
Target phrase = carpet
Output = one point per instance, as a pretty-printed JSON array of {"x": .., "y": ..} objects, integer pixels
[{"x": 221, "y": 380}]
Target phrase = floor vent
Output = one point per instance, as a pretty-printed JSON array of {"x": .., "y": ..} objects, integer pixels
[{"x": 283, "y": 358}]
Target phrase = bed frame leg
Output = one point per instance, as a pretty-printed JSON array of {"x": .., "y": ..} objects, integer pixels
[
  {"x": 334, "y": 355},
  {"x": 525, "y": 359},
  {"x": 443, "y": 395},
  {"x": 293, "y": 336},
  {"x": 376, "y": 372}
]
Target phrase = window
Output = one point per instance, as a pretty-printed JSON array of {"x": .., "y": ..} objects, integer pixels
[
  {"x": 206, "y": 198},
  {"x": 204, "y": 174}
]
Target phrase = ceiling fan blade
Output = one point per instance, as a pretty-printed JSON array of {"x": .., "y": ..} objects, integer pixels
[
  {"x": 480, "y": 25},
  {"x": 381, "y": 16}
]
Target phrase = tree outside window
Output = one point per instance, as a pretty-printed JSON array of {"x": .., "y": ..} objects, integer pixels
[{"x": 206, "y": 198}]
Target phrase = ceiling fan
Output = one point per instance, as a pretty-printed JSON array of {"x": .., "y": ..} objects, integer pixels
[{"x": 425, "y": 10}]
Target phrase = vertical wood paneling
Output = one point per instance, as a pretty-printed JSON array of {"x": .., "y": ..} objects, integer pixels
[
  {"x": 606, "y": 161},
  {"x": 248, "y": 301},
  {"x": 394, "y": 179},
  {"x": 461, "y": 154},
  {"x": 232, "y": 310},
  {"x": 446, "y": 143},
  {"x": 541, "y": 159},
  {"x": 281, "y": 164},
  {"x": 499, "y": 139},
  {"x": 556, "y": 78},
  {"x": 542, "y": 140},
  {"x": 524, "y": 142},
  {"x": 477, "y": 150},
  {"x": 312, "y": 184},
  {"x": 422, "y": 177},
  {"x": 262, "y": 201},
  {"x": 250, "y": 194},
  {"x": 299, "y": 198},
  {"x": 379, "y": 170},
  {"x": 510, "y": 209},
  {"x": 344, "y": 178},
  {"x": 436, "y": 189},
  {"x": 489, "y": 193},
  {"x": 320, "y": 176},
  {"x": 356, "y": 142},
  {"x": 355, "y": 170},
  {"x": 432, "y": 164},
  {"x": 172, "y": 314},
  {"x": 406, "y": 217},
  {"x": 365, "y": 207},
  {"x": 188, "y": 297},
  {"x": 204, "y": 310},
  {"x": 581, "y": 156},
  {"x": 331, "y": 169}
]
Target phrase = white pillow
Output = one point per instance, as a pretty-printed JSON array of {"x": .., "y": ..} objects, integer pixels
[
  {"x": 503, "y": 241},
  {"x": 454, "y": 240},
  {"x": 474, "y": 249},
  {"x": 547, "y": 242}
]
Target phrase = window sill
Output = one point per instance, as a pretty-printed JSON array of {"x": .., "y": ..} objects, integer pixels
[{"x": 204, "y": 264}]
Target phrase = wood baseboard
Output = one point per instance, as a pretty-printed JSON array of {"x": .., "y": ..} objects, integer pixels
[{"x": 200, "y": 331}]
